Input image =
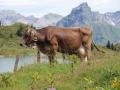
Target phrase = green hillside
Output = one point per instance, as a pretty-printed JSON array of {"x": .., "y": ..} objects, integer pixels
[
  {"x": 102, "y": 32},
  {"x": 9, "y": 40}
]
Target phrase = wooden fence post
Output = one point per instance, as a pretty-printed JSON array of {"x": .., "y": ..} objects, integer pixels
[
  {"x": 0, "y": 23},
  {"x": 16, "y": 63},
  {"x": 38, "y": 56}
]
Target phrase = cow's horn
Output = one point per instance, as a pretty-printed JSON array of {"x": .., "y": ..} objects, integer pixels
[
  {"x": 33, "y": 32},
  {"x": 29, "y": 29}
]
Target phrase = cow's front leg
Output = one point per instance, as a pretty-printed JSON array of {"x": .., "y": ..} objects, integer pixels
[
  {"x": 54, "y": 48},
  {"x": 38, "y": 56},
  {"x": 51, "y": 59},
  {"x": 63, "y": 56},
  {"x": 52, "y": 56}
]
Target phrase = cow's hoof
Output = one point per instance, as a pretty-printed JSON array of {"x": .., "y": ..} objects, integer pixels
[{"x": 89, "y": 63}]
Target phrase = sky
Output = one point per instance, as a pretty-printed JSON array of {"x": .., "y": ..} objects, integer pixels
[{"x": 39, "y": 8}]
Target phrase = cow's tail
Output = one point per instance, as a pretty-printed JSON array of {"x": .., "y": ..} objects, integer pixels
[{"x": 93, "y": 44}]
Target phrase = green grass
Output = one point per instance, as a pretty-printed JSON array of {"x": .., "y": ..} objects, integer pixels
[
  {"x": 9, "y": 41},
  {"x": 100, "y": 74}
]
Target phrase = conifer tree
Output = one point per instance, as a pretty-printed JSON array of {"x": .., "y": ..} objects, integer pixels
[{"x": 108, "y": 45}]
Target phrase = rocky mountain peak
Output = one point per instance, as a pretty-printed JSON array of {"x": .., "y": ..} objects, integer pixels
[
  {"x": 79, "y": 16},
  {"x": 82, "y": 8}
]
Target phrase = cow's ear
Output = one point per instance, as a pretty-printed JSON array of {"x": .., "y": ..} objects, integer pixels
[{"x": 29, "y": 27}]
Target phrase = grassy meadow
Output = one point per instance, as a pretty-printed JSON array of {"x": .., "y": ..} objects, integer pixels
[{"x": 103, "y": 73}]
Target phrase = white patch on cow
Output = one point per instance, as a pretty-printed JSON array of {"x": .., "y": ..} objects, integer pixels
[
  {"x": 86, "y": 59},
  {"x": 34, "y": 46},
  {"x": 82, "y": 51}
]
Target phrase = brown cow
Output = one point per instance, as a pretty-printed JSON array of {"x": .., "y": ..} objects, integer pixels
[{"x": 54, "y": 39}]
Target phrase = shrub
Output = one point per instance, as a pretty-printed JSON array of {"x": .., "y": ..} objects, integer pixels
[
  {"x": 6, "y": 80},
  {"x": 20, "y": 31}
]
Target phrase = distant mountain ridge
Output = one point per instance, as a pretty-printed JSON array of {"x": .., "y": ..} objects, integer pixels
[
  {"x": 8, "y": 17},
  {"x": 104, "y": 26},
  {"x": 49, "y": 19}
]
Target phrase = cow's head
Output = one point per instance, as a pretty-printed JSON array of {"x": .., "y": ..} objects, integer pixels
[{"x": 29, "y": 37}]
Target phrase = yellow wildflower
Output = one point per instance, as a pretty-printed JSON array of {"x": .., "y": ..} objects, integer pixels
[{"x": 115, "y": 83}]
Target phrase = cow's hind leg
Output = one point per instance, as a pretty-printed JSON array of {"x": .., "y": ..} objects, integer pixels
[
  {"x": 83, "y": 58},
  {"x": 82, "y": 54},
  {"x": 87, "y": 47},
  {"x": 88, "y": 52}
]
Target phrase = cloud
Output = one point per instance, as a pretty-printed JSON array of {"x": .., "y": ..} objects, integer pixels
[
  {"x": 17, "y": 2},
  {"x": 63, "y": 7},
  {"x": 104, "y": 5}
]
